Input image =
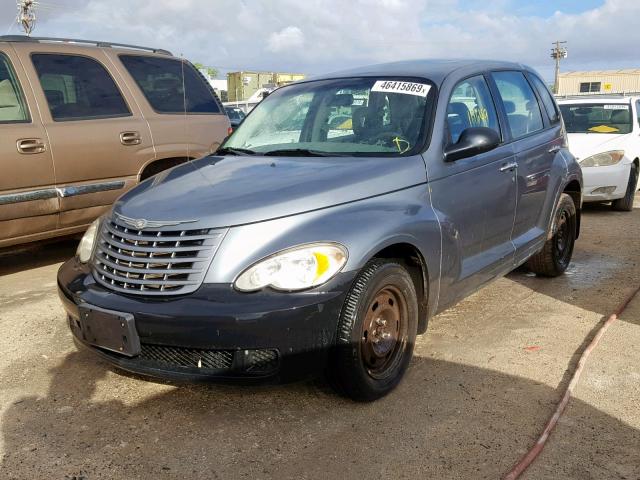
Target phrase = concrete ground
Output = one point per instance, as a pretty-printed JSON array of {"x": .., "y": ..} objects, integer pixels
[{"x": 484, "y": 380}]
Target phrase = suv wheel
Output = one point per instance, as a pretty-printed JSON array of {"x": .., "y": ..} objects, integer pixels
[
  {"x": 376, "y": 332},
  {"x": 625, "y": 204},
  {"x": 555, "y": 256}
]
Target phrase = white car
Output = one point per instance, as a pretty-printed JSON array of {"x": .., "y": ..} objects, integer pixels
[{"x": 604, "y": 136}]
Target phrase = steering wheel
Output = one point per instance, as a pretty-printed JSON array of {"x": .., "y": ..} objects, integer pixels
[{"x": 393, "y": 139}]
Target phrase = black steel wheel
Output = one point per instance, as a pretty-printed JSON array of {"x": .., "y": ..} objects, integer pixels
[
  {"x": 625, "y": 204},
  {"x": 555, "y": 256},
  {"x": 376, "y": 332}
]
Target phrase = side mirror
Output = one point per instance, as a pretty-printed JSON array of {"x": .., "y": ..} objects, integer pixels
[{"x": 473, "y": 141}]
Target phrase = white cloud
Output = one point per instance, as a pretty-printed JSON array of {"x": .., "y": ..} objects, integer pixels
[
  {"x": 314, "y": 36},
  {"x": 289, "y": 38}
]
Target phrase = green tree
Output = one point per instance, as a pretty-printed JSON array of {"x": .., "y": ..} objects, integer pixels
[{"x": 211, "y": 71}]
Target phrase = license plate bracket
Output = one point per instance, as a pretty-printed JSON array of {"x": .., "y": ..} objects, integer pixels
[{"x": 114, "y": 331}]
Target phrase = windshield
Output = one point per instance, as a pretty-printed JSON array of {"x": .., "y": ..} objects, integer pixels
[
  {"x": 342, "y": 116},
  {"x": 597, "y": 118},
  {"x": 234, "y": 113}
]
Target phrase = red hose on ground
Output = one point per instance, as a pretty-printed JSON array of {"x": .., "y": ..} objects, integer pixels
[{"x": 531, "y": 455}]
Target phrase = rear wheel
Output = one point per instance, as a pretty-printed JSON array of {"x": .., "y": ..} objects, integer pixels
[
  {"x": 555, "y": 256},
  {"x": 625, "y": 204},
  {"x": 376, "y": 332}
]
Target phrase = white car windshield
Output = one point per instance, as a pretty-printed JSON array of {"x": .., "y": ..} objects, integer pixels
[
  {"x": 348, "y": 116},
  {"x": 597, "y": 118}
]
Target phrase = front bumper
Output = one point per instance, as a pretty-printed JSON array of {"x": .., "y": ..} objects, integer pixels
[
  {"x": 596, "y": 179},
  {"x": 216, "y": 333}
]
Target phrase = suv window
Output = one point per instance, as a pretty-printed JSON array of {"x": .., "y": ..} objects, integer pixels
[
  {"x": 12, "y": 105},
  {"x": 638, "y": 110},
  {"x": 160, "y": 79},
  {"x": 547, "y": 99},
  {"x": 520, "y": 103},
  {"x": 471, "y": 105},
  {"x": 78, "y": 88}
]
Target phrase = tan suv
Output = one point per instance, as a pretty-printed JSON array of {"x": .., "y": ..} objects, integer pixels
[{"x": 82, "y": 122}]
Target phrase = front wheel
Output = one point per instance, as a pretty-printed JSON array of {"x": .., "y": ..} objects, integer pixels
[
  {"x": 625, "y": 204},
  {"x": 376, "y": 332},
  {"x": 555, "y": 256}
]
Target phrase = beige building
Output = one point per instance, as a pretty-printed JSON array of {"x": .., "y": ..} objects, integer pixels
[
  {"x": 242, "y": 85},
  {"x": 603, "y": 81}
]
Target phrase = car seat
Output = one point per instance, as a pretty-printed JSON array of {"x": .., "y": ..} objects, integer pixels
[
  {"x": 10, "y": 109},
  {"x": 457, "y": 119}
]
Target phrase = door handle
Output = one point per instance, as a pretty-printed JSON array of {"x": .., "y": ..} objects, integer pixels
[
  {"x": 555, "y": 149},
  {"x": 30, "y": 145},
  {"x": 509, "y": 167},
  {"x": 130, "y": 138}
]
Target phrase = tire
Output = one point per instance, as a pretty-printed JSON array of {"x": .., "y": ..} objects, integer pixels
[
  {"x": 376, "y": 332},
  {"x": 625, "y": 204},
  {"x": 555, "y": 256}
]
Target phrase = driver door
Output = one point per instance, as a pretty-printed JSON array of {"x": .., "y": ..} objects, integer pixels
[{"x": 475, "y": 198}]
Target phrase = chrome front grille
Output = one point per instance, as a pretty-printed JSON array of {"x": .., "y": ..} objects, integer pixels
[{"x": 153, "y": 262}]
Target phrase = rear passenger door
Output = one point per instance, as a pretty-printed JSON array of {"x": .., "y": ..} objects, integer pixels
[
  {"x": 185, "y": 117},
  {"x": 99, "y": 139},
  {"x": 536, "y": 141},
  {"x": 28, "y": 199}
]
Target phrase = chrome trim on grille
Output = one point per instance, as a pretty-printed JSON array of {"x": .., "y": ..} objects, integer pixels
[
  {"x": 43, "y": 194},
  {"x": 153, "y": 262},
  {"x": 74, "y": 190},
  {"x": 141, "y": 223}
]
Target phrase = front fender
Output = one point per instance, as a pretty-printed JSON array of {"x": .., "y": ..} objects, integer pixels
[{"x": 364, "y": 227}]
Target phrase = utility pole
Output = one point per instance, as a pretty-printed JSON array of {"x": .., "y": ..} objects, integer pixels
[
  {"x": 558, "y": 53},
  {"x": 27, "y": 15}
]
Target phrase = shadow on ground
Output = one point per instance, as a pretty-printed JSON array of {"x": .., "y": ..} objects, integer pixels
[
  {"x": 20, "y": 258},
  {"x": 446, "y": 420}
]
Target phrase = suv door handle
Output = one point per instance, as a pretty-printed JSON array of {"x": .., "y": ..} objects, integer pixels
[
  {"x": 509, "y": 167},
  {"x": 130, "y": 138},
  {"x": 555, "y": 149},
  {"x": 30, "y": 145}
]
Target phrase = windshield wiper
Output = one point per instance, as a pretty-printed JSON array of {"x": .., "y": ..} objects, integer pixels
[
  {"x": 300, "y": 152},
  {"x": 234, "y": 151}
]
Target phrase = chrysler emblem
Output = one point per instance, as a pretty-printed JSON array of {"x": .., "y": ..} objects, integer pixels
[{"x": 142, "y": 223}]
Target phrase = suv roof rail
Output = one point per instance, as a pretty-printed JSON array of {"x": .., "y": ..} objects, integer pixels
[
  {"x": 597, "y": 95},
  {"x": 24, "y": 38}
]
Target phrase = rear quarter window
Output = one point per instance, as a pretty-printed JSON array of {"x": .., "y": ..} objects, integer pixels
[{"x": 171, "y": 86}]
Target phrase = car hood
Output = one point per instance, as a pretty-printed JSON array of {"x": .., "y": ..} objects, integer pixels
[
  {"x": 226, "y": 191},
  {"x": 583, "y": 145}
]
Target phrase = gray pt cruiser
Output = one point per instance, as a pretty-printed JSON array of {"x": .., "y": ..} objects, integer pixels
[{"x": 339, "y": 217}]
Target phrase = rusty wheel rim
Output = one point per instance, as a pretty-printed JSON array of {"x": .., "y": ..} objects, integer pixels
[{"x": 383, "y": 330}]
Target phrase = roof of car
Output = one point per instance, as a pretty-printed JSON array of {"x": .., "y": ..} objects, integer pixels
[
  {"x": 435, "y": 70},
  {"x": 79, "y": 43}
]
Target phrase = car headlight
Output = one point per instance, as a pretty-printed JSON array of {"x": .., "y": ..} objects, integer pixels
[
  {"x": 297, "y": 268},
  {"x": 85, "y": 247},
  {"x": 603, "y": 159}
]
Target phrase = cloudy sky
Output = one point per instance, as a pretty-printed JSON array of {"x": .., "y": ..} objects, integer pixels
[{"x": 314, "y": 36}]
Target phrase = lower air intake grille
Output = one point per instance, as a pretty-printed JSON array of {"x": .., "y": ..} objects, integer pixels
[{"x": 188, "y": 357}]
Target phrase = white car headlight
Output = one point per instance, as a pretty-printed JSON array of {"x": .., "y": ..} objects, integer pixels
[
  {"x": 297, "y": 268},
  {"x": 605, "y": 159},
  {"x": 85, "y": 247}
]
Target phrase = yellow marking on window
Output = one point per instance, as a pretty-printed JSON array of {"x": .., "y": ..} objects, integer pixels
[
  {"x": 399, "y": 141},
  {"x": 604, "y": 129}
]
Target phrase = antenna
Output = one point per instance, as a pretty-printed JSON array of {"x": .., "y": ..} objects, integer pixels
[
  {"x": 184, "y": 104},
  {"x": 27, "y": 15}
]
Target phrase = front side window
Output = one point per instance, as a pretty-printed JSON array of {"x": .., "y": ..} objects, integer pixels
[
  {"x": 13, "y": 108},
  {"x": 547, "y": 100},
  {"x": 520, "y": 103},
  {"x": 638, "y": 111},
  {"x": 603, "y": 118},
  {"x": 171, "y": 86},
  {"x": 78, "y": 88},
  {"x": 471, "y": 105},
  {"x": 349, "y": 116}
]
